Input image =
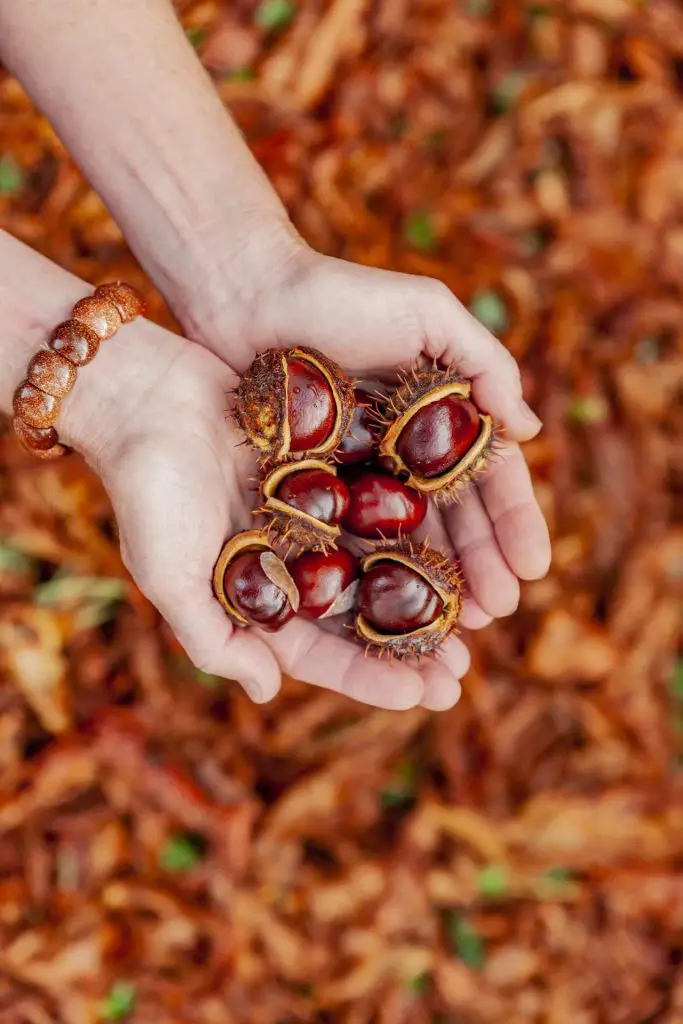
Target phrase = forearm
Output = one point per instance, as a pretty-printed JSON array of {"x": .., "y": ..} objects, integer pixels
[
  {"x": 35, "y": 296},
  {"x": 125, "y": 91}
]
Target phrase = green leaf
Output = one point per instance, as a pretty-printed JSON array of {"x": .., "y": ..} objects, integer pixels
[
  {"x": 181, "y": 853},
  {"x": 507, "y": 91},
  {"x": 13, "y": 560},
  {"x": 420, "y": 984},
  {"x": 478, "y": 8},
  {"x": 532, "y": 242},
  {"x": 209, "y": 681},
  {"x": 434, "y": 140},
  {"x": 492, "y": 881},
  {"x": 466, "y": 942},
  {"x": 677, "y": 680},
  {"x": 11, "y": 176},
  {"x": 274, "y": 15},
  {"x": 490, "y": 309},
  {"x": 401, "y": 790},
  {"x": 120, "y": 1002},
  {"x": 196, "y": 35},
  {"x": 64, "y": 590},
  {"x": 419, "y": 232},
  {"x": 562, "y": 876},
  {"x": 587, "y": 410},
  {"x": 241, "y": 75}
]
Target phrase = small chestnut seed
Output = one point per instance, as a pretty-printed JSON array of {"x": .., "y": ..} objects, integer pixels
[
  {"x": 433, "y": 435},
  {"x": 293, "y": 403},
  {"x": 321, "y": 579},
  {"x": 359, "y": 444},
  {"x": 409, "y": 600},
  {"x": 303, "y": 503},
  {"x": 252, "y": 584},
  {"x": 382, "y": 506},
  {"x": 438, "y": 435},
  {"x": 258, "y": 599},
  {"x": 310, "y": 404},
  {"x": 395, "y": 599},
  {"x": 317, "y": 493}
]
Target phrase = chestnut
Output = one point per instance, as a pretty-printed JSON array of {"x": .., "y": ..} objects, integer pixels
[
  {"x": 359, "y": 444},
  {"x": 409, "y": 600},
  {"x": 434, "y": 434},
  {"x": 438, "y": 436},
  {"x": 326, "y": 582},
  {"x": 304, "y": 502},
  {"x": 253, "y": 585},
  {"x": 297, "y": 402},
  {"x": 382, "y": 506}
]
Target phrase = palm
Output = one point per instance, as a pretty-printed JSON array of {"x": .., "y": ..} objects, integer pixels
[
  {"x": 374, "y": 322},
  {"x": 183, "y": 487}
]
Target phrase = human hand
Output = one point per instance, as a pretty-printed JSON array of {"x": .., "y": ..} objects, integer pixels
[
  {"x": 151, "y": 421},
  {"x": 372, "y": 322}
]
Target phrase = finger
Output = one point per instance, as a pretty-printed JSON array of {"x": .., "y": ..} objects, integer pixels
[
  {"x": 215, "y": 646},
  {"x": 472, "y": 615},
  {"x": 307, "y": 653},
  {"x": 461, "y": 340},
  {"x": 442, "y": 688},
  {"x": 519, "y": 525},
  {"x": 489, "y": 578}
]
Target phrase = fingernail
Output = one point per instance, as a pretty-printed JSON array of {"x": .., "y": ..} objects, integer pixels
[{"x": 530, "y": 416}]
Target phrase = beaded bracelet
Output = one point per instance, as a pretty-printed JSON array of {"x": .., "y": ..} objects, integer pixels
[{"x": 52, "y": 372}]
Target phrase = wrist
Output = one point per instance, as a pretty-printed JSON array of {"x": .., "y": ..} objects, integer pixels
[{"x": 235, "y": 266}]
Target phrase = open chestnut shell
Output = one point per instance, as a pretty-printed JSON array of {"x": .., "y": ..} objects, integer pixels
[
  {"x": 294, "y": 403},
  {"x": 434, "y": 435},
  {"x": 253, "y": 584},
  {"x": 304, "y": 503},
  {"x": 327, "y": 582},
  {"x": 409, "y": 600},
  {"x": 382, "y": 507}
]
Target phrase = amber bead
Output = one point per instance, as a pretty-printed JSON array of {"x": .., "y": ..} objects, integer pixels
[
  {"x": 52, "y": 373},
  {"x": 75, "y": 341},
  {"x": 127, "y": 301},
  {"x": 36, "y": 439},
  {"x": 99, "y": 314},
  {"x": 35, "y": 407}
]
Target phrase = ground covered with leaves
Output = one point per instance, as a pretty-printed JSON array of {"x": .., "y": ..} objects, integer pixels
[{"x": 171, "y": 853}]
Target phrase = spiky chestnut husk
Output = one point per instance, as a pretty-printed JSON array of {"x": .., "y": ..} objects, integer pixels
[
  {"x": 288, "y": 525},
  {"x": 263, "y": 403},
  {"x": 442, "y": 575},
  {"x": 418, "y": 390},
  {"x": 272, "y": 567}
]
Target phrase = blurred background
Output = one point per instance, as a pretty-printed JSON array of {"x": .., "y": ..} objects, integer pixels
[{"x": 171, "y": 853}]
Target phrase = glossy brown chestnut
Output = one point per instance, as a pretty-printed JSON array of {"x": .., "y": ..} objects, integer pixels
[
  {"x": 295, "y": 402},
  {"x": 325, "y": 582},
  {"x": 259, "y": 600},
  {"x": 359, "y": 444},
  {"x": 409, "y": 600},
  {"x": 382, "y": 506},
  {"x": 396, "y": 599},
  {"x": 310, "y": 406},
  {"x": 434, "y": 436},
  {"x": 438, "y": 436},
  {"x": 317, "y": 493},
  {"x": 303, "y": 503},
  {"x": 252, "y": 584}
]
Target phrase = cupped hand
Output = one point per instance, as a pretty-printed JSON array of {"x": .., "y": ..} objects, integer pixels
[
  {"x": 373, "y": 322},
  {"x": 180, "y": 484}
]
